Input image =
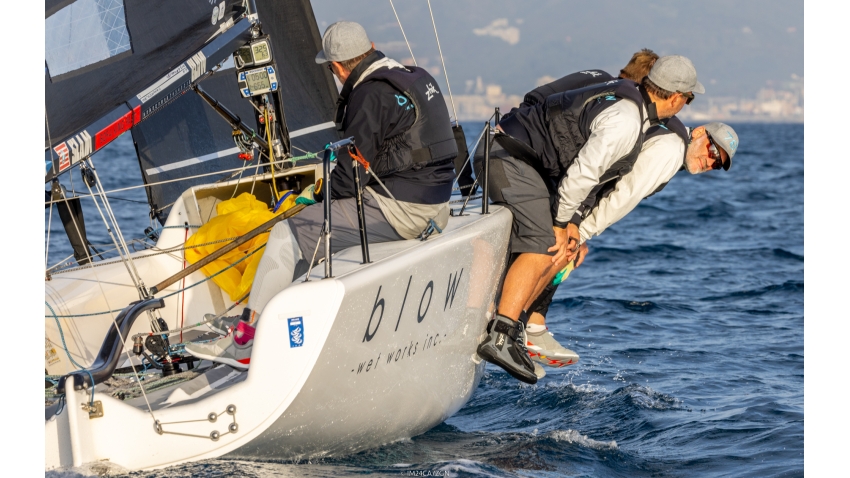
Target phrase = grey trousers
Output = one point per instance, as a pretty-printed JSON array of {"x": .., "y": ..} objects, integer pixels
[{"x": 345, "y": 231}]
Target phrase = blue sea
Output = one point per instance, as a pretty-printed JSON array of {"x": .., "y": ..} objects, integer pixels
[{"x": 687, "y": 314}]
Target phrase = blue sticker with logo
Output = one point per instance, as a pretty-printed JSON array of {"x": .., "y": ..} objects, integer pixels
[{"x": 296, "y": 332}]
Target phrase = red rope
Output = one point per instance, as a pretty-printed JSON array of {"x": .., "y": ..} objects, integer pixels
[{"x": 357, "y": 156}]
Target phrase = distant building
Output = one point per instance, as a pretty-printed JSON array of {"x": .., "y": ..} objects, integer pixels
[
  {"x": 480, "y": 101},
  {"x": 783, "y": 102}
]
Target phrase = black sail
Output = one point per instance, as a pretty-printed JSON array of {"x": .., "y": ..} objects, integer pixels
[
  {"x": 188, "y": 139},
  {"x": 307, "y": 88},
  {"x": 157, "y": 35}
]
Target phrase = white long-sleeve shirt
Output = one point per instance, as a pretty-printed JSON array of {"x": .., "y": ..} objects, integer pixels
[
  {"x": 659, "y": 160},
  {"x": 614, "y": 132}
]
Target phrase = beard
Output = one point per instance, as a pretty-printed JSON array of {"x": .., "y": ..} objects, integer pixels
[{"x": 693, "y": 164}]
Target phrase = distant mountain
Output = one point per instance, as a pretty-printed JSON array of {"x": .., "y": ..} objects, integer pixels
[{"x": 737, "y": 47}]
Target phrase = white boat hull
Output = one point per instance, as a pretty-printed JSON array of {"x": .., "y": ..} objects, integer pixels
[{"x": 388, "y": 352}]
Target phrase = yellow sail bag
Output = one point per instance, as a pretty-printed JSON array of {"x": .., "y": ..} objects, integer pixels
[{"x": 235, "y": 217}]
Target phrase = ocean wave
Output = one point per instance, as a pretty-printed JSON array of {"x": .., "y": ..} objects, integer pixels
[
  {"x": 572, "y": 436},
  {"x": 472, "y": 467},
  {"x": 642, "y": 397},
  {"x": 787, "y": 286},
  {"x": 101, "y": 468},
  {"x": 787, "y": 254}
]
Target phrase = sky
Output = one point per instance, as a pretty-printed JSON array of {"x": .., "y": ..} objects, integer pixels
[{"x": 737, "y": 47}]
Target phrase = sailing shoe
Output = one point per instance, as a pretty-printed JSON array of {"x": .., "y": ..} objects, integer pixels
[
  {"x": 504, "y": 346},
  {"x": 543, "y": 348},
  {"x": 230, "y": 350}
]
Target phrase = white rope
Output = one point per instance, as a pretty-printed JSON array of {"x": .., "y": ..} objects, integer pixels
[
  {"x": 402, "y": 34},
  {"x": 443, "y": 60}
]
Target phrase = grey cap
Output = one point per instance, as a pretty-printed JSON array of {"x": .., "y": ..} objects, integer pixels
[
  {"x": 675, "y": 73},
  {"x": 724, "y": 137},
  {"x": 343, "y": 41}
]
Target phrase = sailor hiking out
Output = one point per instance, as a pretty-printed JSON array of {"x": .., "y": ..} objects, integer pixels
[
  {"x": 572, "y": 146},
  {"x": 668, "y": 147},
  {"x": 400, "y": 124}
]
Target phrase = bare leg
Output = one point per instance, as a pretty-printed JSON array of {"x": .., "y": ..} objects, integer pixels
[
  {"x": 522, "y": 280},
  {"x": 537, "y": 319},
  {"x": 545, "y": 280}
]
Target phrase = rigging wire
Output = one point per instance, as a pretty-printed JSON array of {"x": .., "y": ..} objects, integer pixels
[
  {"x": 443, "y": 60},
  {"x": 471, "y": 153},
  {"x": 145, "y": 256},
  {"x": 47, "y": 240},
  {"x": 281, "y": 161},
  {"x": 114, "y": 240},
  {"x": 50, "y": 214},
  {"x": 405, "y": 36},
  {"x": 112, "y": 316},
  {"x": 114, "y": 220}
]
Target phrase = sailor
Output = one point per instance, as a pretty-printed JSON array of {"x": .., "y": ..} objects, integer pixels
[
  {"x": 400, "y": 124},
  {"x": 574, "y": 145},
  {"x": 542, "y": 346},
  {"x": 660, "y": 158},
  {"x": 710, "y": 146}
]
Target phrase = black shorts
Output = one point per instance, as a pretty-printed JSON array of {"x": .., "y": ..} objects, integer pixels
[{"x": 519, "y": 187}]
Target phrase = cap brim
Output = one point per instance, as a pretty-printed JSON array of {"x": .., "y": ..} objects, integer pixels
[
  {"x": 699, "y": 88},
  {"x": 320, "y": 58}
]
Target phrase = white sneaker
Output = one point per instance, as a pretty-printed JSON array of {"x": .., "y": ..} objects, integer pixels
[{"x": 543, "y": 348}]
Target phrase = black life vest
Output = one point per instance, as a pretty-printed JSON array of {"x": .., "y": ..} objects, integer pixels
[
  {"x": 573, "y": 81},
  {"x": 569, "y": 127},
  {"x": 430, "y": 140},
  {"x": 670, "y": 126}
]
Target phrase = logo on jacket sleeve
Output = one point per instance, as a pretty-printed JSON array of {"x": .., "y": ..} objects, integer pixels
[
  {"x": 296, "y": 332},
  {"x": 591, "y": 73},
  {"x": 431, "y": 91}
]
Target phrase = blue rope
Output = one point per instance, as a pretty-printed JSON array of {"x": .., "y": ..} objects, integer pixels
[{"x": 280, "y": 201}]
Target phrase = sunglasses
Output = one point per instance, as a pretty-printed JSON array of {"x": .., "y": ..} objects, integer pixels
[
  {"x": 688, "y": 97},
  {"x": 330, "y": 67},
  {"x": 714, "y": 153}
]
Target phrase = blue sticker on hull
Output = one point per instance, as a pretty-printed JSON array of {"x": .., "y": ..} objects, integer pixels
[{"x": 296, "y": 332}]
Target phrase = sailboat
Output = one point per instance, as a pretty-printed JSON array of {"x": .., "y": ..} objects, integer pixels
[{"x": 374, "y": 345}]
